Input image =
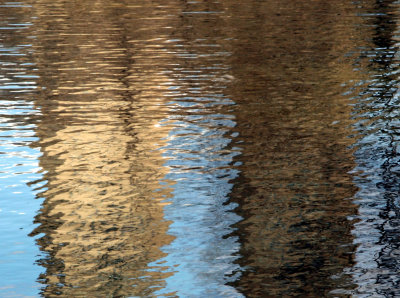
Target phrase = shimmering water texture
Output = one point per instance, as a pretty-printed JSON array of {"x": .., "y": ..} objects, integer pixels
[{"x": 199, "y": 148}]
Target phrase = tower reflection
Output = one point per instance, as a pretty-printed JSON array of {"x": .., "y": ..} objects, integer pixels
[
  {"x": 102, "y": 218},
  {"x": 294, "y": 190}
]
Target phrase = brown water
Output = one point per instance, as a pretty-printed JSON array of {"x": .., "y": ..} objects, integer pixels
[{"x": 199, "y": 148}]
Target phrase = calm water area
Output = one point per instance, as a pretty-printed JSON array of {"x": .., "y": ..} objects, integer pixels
[{"x": 177, "y": 148}]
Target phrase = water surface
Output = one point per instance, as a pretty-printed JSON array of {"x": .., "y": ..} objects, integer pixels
[{"x": 199, "y": 148}]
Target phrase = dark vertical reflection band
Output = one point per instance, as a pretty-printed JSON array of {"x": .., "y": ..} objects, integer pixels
[
  {"x": 377, "y": 155},
  {"x": 294, "y": 191}
]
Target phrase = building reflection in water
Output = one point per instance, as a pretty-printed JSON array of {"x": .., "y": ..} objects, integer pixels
[
  {"x": 294, "y": 190},
  {"x": 102, "y": 218},
  {"x": 135, "y": 136},
  {"x": 201, "y": 148}
]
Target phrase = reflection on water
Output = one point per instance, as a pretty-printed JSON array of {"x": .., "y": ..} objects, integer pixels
[
  {"x": 294, "y": 191},
  {"x": 103, "y": 217},
  {"x": 199, "y": 149},
  {"x": 136, "y": 156},
  {"x": 377, "y": 155}
]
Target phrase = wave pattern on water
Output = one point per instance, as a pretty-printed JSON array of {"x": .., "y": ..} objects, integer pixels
[
  {"x": 136, "y": 139},
  {"x": 377, "y": 155},
  {"x": 200, "y": 156},
  {"x": 199, "y": 148},
  {"x": 18, "y": 160}
]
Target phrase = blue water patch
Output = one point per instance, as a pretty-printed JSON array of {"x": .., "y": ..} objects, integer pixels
[{"x": 18, "y": 206}]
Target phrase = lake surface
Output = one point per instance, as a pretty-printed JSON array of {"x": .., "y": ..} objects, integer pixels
[{"x": 199, "y": 148}]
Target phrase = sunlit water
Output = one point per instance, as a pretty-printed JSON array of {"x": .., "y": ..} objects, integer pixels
[{"x": 199, "y": 149}]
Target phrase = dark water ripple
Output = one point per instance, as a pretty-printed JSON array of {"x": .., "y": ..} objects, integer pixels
[{"x": 377, "y": 261}]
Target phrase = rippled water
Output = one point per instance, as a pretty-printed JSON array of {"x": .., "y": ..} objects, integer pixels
[{"x": 199, "y": 148}]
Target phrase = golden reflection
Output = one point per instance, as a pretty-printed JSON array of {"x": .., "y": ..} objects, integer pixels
[{"x": 102, "y": 217}]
